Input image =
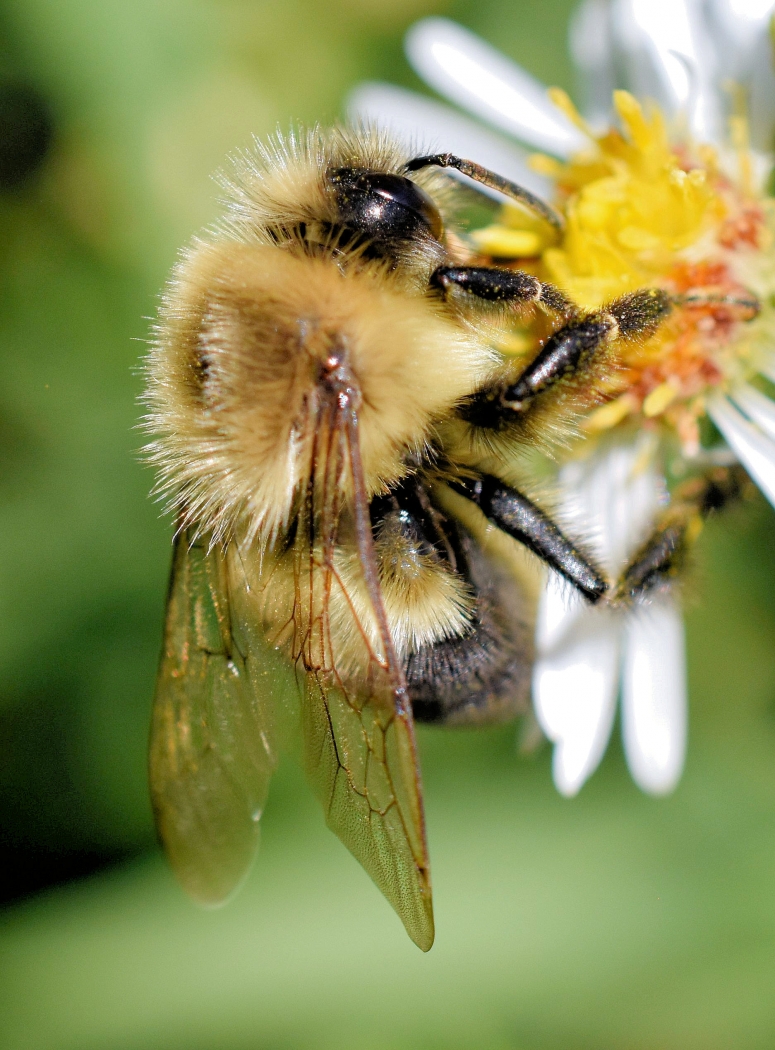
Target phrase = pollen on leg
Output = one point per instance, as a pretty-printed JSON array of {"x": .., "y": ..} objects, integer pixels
[{"x": 641, "y": 312}]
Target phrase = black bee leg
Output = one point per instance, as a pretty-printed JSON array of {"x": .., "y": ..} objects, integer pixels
[
  {"x": 570, "y": 351},
  {"x": 744, "y": 307},
  {"x": 496, "y": 182},
  {"x": 658, "y": 560},
  {"x": 501, "y": 286},
  {"x": 664, "y": 554},
  {"x": 518, "y": 516}
]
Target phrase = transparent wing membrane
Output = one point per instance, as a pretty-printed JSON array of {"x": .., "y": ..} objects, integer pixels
[
  {"x": 359, "y": 746},
  {"x": 257, "y": 644},
  {"x": 362, "y": 770},
  {"x": 212, "y": 750}
]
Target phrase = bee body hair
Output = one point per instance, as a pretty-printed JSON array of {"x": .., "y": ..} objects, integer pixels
[{"x": 234, "y": 377}]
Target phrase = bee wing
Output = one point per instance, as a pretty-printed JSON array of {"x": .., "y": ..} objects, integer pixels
[
  {"x": 212, "y": 752},
  {"x": 221, "y": 683},
  {"x": 359, "y": 744}
]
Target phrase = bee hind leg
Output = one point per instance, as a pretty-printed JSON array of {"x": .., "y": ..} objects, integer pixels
[
  {"x": 657, "y": 563},
  {"x": 654, "y": 565}
]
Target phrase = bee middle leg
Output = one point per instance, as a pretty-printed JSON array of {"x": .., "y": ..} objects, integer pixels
[
  {"x": 498, "y": 285},
  {"x": 515, "y": 514}
]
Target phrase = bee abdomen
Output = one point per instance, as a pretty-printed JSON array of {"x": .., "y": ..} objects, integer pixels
[{"x": 483, "y": 675}]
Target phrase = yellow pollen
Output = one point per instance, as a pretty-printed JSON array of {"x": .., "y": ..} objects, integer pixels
[
  {"x": 637, "y": 239},
  {"x": 515, "y": 344},
  {"x": 563, "y": 102},
  {"x": 607, "y": 416},
  {"x": 631, "y": 205},
  {"x": 660, "y": 398},
  {"x": 543, "y": 165},
  {"x": 502, "y": 242}
]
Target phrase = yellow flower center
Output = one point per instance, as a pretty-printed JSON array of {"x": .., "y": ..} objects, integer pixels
[{"x": 643, "y": 213}]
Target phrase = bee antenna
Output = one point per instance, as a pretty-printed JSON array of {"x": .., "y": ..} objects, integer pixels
[{"x": 495, "y": 182}]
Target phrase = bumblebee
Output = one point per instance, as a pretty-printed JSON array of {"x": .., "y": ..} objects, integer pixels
[{"x": 335, "y": 433}]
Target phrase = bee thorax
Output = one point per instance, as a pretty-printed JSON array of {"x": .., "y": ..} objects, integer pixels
[{"x": 261, "y": 352}]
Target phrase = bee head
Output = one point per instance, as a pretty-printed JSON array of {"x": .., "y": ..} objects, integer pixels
[{"x": 387, "y": 211}]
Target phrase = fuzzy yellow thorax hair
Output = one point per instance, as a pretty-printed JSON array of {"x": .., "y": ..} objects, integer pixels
[{"x": 233, "y": 377}]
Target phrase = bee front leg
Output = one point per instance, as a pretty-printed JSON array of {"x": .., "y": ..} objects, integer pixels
[
  {"x": 500, "y": 285},
  {"x": 569, "y": 352},
  {"x": 485, "y": 177}
]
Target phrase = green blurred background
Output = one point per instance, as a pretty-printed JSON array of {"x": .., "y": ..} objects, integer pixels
[{"x": 609, "y": 921}]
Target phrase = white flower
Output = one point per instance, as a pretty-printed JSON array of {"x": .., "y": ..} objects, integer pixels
[
  {"x": 680, "y": 55},
  {"x": 679, "y": 52},
  {"x": 585, "y": 652}
]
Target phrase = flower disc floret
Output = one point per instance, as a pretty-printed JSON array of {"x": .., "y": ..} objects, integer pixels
[{"x": 641, "y": 212}]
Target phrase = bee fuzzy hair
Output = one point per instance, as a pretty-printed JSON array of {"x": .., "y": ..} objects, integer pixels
[
  {"x": 233, "y": 379},
  {"x": 282, "y": 180}
]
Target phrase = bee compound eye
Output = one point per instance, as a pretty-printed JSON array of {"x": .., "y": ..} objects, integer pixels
[{"x": 384, "y": 206}]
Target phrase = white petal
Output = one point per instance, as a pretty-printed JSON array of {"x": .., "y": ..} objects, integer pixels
[
  {"x": 756, "y": 63},
  {"x": 482, "y": 80},
  {"x": 427, "y": 127},
  {"x": 654, "y": 705},
  {"x": 753, "y": 448},
  {"x": 757, "y": 406},
  {"x": 611, "y": 499},
  {"x": 767, "y": 368},
  {"x": 744, "y": 55},
  {"x": 559, "y": 608},
  {"x": 754, "y": 11},
  {"x": 590, "y": 44},
  {"x": 574, "y": 693},
  {"x": 672, "y": 58},
  {"x": 588, "y": 35},
  {"x": 742, "y": 19}
]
